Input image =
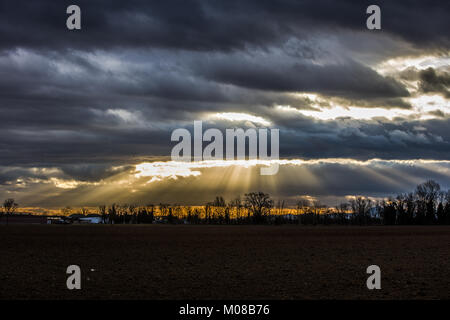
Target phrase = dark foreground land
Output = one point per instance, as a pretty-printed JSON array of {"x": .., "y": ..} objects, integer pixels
[{"x": 224, "y": 262}]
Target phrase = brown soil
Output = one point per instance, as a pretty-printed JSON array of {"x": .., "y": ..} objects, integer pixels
[{"x": 224, "y": 262}]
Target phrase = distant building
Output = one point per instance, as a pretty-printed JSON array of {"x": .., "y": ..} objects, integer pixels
[
  {"x": 58, "y": 220},
  {"x": 91, "y": 218},
  {"x": 81, "y": 218}
]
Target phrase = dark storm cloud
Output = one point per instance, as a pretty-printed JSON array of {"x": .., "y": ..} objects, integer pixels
[
  {"x": 79, "y": 77},
  {"x": 9, "y": 175},
  {"x": 430, "y": 81},
  {"x": 364, "y": 140},
  {"x": 17, "y": 176},
  {"x": 92, "y": 172},
  {"x": 209, "y": 25},
  {"x": 349, "y": 79},
  {"x": 108, "y": 107},
  {"x": 87, "y": 105},
  {"x": 382, "y": 178}
]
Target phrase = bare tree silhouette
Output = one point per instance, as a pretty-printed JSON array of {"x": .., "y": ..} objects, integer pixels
[
  {"x": 427, "y": 194},
  {"x": 9, "y": 206},
  {"x": 259, "y": 204},
  {"x": 361, "y": 209},
  {"x": 102, "y": 213}
]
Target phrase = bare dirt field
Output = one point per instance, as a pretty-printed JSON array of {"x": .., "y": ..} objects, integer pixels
[{"x": 224, "y": 262}]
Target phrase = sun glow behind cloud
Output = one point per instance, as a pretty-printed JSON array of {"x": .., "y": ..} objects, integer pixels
[
  {"x": 349, "y": 112},
  {"x": 197, "y": 182},
  {"x": 422, "y": 62},
  {"x": 423, "y": 107},
  {"x": 158, "y": 171},
  {"x": 235, "y": 116},
  {"x": 174, "y": 169}
]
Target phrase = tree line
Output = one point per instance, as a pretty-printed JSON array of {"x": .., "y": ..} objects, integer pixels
[{"x": 426, "y": 205}]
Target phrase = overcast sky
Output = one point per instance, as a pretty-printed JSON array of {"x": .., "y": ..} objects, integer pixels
[{"x": 367, "y": 111}]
